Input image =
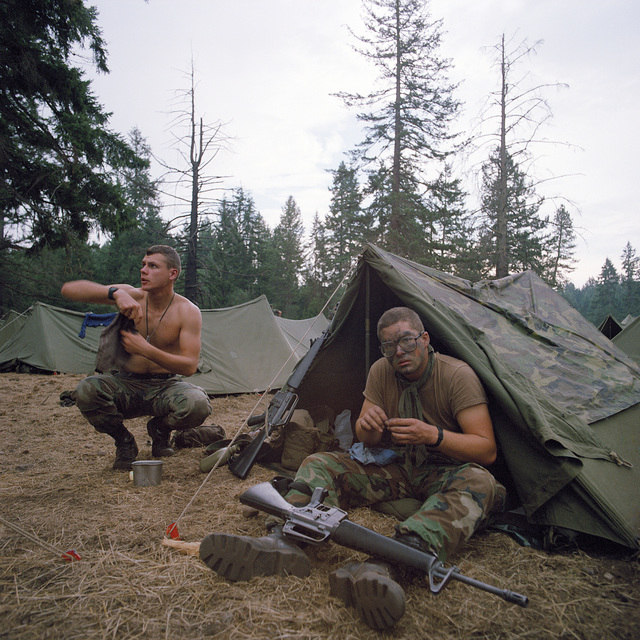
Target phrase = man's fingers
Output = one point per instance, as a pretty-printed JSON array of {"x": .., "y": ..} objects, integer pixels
[{"x": 372, "y": 422}]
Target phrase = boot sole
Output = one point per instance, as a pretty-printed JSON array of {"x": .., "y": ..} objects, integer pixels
[
  {"x": 378, "y": 600},
  {"x": 240, "y": 558},
  {"x": 164, "y": 452}
]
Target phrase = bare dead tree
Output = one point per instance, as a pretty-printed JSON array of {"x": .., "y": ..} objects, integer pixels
[
  {"x": 520, "y": 110},
  {"x": 196, "y": 150}
]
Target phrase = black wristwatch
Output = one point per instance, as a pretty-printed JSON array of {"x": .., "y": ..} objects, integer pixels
[
  {"x": 440, "y": 436},
  {"x": 112, "y": 290}
]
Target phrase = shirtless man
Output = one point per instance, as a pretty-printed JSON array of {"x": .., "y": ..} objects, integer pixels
[{"x": 164, "y": 347}]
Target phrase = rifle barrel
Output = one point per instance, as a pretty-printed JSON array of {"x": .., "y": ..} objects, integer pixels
[{"x": 505, "y": 594}]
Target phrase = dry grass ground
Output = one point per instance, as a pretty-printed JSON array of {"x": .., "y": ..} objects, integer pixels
[{"x": 57, "y": 486}]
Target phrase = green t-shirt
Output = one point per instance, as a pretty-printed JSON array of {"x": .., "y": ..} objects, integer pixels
[{"x": 452, "y": 387}]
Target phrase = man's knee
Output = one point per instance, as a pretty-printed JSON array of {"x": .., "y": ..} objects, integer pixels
[
  {"x": 191, "y": 410},
  {"x": 482, "y": 482},
  {"x": 90, "y": 394}
]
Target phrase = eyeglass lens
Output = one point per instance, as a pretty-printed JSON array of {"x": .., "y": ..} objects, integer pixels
[{"x": 407, "y": 344}]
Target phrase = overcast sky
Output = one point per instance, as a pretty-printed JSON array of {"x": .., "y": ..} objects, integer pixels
[{"x": 267, "y": 69}]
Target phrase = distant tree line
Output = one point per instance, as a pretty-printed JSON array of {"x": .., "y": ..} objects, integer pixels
[
  {"x": 78, "y": 201},
  {"x": 614, "y": 292}
]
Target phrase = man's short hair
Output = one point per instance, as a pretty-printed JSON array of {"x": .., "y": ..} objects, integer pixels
[
  {"x": 169, "y": 253},
  {"x": 398, "y": 314}
]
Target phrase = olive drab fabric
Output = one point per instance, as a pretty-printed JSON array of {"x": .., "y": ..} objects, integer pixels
[
  {"x": 565, "y": 401},
  {"x": 245, "y": 348},
  {"x": 629, "y": 339}
]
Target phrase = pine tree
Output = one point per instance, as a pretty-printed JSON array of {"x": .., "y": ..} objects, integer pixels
[
  {"x": 560, "y": 247},
  {"x": 447, "y": 228},
  {"x": 508, "y": 187},
  {"x": 288, "y": 242},
  {"x": 407, "y": 119},
  {"x": 57, "y": 155},
  {"x": 607, "y": 292},
  {"x": 630, "y": 282},
  {"x": 510, "y": 206},
  {"x": 317, "y": 286},
  {"x": 347, "y": 226},
  {"x": 234, "y": 252}
]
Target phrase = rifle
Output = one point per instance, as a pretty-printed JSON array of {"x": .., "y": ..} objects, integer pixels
[
  {"x": 316, "y": 523},
  {"x": 279, "y": 412}
]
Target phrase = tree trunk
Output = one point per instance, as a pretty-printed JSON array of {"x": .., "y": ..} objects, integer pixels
[
  {"x": 395, "y": 224},
  {"x": 191, "y": 271},
  {"x": 502, "y": 258}
]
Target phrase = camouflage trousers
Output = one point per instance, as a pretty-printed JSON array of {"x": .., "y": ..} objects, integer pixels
[
  {"x": 105, "y": 400},
  {"x": 457, "y": 499}
]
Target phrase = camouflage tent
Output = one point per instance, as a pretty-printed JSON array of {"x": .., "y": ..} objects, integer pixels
[{"x": 564, "y": 400}]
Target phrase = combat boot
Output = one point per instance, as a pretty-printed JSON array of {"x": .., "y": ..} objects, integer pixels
[
  {"x": 370, "y": 587},
  {"x": 126, "y": 452},
  {"x": 160, "y": 447},
  {"x": 243, "y": 557}
]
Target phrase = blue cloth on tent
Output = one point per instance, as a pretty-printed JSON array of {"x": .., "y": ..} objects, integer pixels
[{"x": 95, "y": 320}]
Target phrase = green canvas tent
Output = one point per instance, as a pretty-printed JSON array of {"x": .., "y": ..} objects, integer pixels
[
  {"x": 10, "y": 324},
  {"x": 564, "y": 400},
  {"x": 245, "y": 348},
  {"x": 629, "y": 339},
  {"x": 610, "y": 327},
  {"x": 48, "y": 340}
]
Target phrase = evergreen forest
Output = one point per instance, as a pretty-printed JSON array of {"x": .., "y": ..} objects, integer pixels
[{"x": 78, "y": 200}]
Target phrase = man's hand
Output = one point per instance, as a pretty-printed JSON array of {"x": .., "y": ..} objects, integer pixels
[
  {"x": 370, "y": 424},
  {"x": 373, "y": 419},
  {"x": 412, "y": 431},
  {"x": 127, "y": 305},
  {"x": 134, "y": 343}
]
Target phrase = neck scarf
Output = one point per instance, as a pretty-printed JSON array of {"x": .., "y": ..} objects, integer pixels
[{"x": 409, "y": 405}]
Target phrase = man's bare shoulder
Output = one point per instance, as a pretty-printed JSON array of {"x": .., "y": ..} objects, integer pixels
[{"x": 187, "y": 308}]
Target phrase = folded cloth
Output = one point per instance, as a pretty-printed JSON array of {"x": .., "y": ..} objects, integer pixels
[
  {"x": 372, "y": 455},
  {"x": 111, "y": 353},
  {"x": 95, "y": 320}
]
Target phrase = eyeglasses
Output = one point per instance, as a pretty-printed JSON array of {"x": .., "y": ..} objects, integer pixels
[{"x": 407, "y": 344}]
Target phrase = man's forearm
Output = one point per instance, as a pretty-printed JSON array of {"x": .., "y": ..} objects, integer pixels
[
  {"x": 182, "y": 365},
  {"x": 88, "y": 291}
]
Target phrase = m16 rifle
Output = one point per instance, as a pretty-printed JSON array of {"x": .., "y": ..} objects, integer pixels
[
  {"x": 278, "y": 413},
  {"x": 316, "y": 523}
]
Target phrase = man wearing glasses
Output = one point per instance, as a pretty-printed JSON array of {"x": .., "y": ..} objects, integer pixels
[{"x": 425, "y": 433}]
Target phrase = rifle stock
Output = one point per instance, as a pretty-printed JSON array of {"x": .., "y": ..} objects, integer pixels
[
  {"x": 316, "y": 522},
  {"x": 279, "y": 412}
]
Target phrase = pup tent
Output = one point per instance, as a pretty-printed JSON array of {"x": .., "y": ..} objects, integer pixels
[
  {"x": 45, "y": 339},
  {"x": 564, "y": 400},
  {"x": 245, "y": 348},
  {"x": 629, "y": 340},
  {"x": 610, "y": 327}
]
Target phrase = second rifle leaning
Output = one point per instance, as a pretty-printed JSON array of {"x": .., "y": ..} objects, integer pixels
[{"x": 278, "y": 413}]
